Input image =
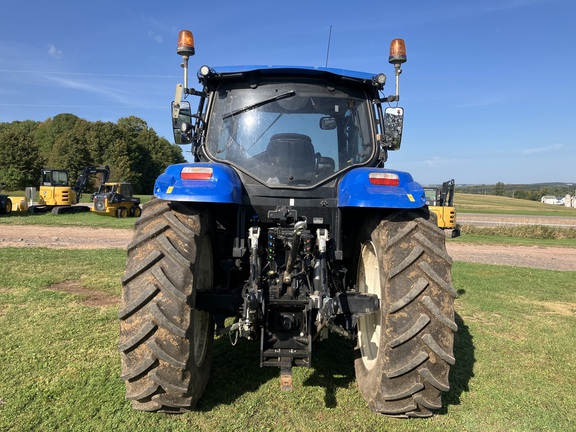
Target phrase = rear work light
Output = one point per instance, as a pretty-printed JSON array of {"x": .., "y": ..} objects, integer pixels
[
  {"x": 196, "y": 173},
  {"x": 384, "y": 179}
]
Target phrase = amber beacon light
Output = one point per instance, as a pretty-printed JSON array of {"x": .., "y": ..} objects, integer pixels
[
  {"x": 185, "y": 43},
  {"x": 397, "y": 52}
]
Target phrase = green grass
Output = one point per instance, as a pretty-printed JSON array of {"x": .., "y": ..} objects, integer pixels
[
  {"x": 61, "y": 371},
  {"x": 492, "y": 204},
  {"x": 494, "y": 239},
  {"x": 84, "y": 199},
  {"x": 532, "y": 235},
  {"x": 522, "y": 235},
  {"x": 87, "y": 219}
]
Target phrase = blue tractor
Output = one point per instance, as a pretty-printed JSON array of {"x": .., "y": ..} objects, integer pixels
[{"x": 285, "y": 229}]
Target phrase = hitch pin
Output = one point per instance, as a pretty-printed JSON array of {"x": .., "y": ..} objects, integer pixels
[{"x": 286, "y": 378}]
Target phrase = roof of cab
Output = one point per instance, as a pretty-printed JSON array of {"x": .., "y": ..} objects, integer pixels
[{"x": 224, "y": 72}]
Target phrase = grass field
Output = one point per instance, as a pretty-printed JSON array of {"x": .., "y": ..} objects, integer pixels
[
  {"x": 78, "y": 219},
  {"x": 523, "y": 235},
  {"x": 534, "y": 235},
  {"x": 87, "y": 219},
  {"x": 60, "y": 369},
  {"x": 492, "y": 204}
]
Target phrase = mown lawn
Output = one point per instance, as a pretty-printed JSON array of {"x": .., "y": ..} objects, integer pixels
[{"x": 60, "y": 369}]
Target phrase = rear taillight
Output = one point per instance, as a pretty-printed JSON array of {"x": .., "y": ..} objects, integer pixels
[
  {"x": 384, "y": 179},
  {"x": 196, "y": 173}
]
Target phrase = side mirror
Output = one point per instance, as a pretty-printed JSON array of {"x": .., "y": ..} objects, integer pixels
[
  {"x": 327, "y": 123},
  {"x": 393, "y": 123},
  {"x": 182, "y": 122}
]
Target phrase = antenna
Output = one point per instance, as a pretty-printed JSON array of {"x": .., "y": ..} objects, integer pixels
[{"x": 328, "y": 50}]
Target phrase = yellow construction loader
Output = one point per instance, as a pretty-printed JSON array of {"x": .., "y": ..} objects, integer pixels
[
  {"x": 440, "y": 201},
  {"x": 115, "y": 199},
  {"x": 57, "y": 196}
]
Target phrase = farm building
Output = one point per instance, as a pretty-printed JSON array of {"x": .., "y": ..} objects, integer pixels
[{"x": 549, "y": 199}]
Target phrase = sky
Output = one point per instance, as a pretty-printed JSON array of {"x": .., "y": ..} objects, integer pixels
[{"x": 488, "y": 88}]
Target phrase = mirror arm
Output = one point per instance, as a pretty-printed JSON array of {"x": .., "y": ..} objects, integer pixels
[
  {"x": 391, "y": 98},
  {"x": 194, "y": 92},
  {"x": 396, "y": 97},
  {"x": 397, "y": 71}
]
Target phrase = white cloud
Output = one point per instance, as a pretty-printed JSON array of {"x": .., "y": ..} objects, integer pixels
[
  {"x": 156, "y": 37},
  {"x": 547, "y": 149},
  {"x": 55, "y": 52},
  {"x": 434, "y": 161},
  {"x": 112, "y": 94}
]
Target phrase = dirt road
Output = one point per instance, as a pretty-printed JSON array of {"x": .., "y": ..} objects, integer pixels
[
  {"x": 93, "y": 238},
  {"x": 515, "y": 220},
  {"x": 63, "y": 237},
  {"x": 551, "y": 258}
]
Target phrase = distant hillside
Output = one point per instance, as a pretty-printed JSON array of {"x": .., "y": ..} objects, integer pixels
[{"x": 533, "y": 192}]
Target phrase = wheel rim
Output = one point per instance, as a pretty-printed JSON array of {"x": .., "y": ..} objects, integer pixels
[
  {"x": 202, "y": 319},
  {"x": 201, "y": 328},
  {"x": 369, "y": 325}
]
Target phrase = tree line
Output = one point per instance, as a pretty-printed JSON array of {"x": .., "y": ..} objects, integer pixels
[
  {"x": 132, "y": 150},
  {"x": 533, "y": 192}
]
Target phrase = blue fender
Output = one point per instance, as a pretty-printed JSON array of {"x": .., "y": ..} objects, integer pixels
[
  {"x": 389, "y": 189},
  {"x": 199, "y": 182}
]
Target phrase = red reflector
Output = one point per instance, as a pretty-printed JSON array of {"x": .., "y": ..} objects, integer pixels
[
  {"x": 196, "y": 173},
  {"x": 384, "y": 179}
]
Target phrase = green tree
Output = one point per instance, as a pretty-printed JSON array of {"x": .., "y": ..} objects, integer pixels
[
  {"x": 19, "y": 161},
  {"x": 149, "y": 154},
  {"x": 134, "y": 152},
  {"x": 99, "y": 137},
  {"x": 49, "y": 131},
  {"x": 499, "y": 189},
  {"x": 121, "y": 163},
  {"x": 69, "y": 150}
]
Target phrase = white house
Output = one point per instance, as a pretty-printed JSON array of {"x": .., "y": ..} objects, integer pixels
[{"x": 549, "y": 199}]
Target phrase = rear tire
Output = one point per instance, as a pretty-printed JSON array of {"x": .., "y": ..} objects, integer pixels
[
  {"x": 166, "y": 344},
  {"x": 8, "y": 207},
  {"x": 405, "y": 350}
]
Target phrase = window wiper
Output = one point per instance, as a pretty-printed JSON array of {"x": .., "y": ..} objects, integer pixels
[{"x": 259, "y": 104}]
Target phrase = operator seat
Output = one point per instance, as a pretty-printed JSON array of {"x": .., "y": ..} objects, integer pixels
[{"x": 292, "y": 157}]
